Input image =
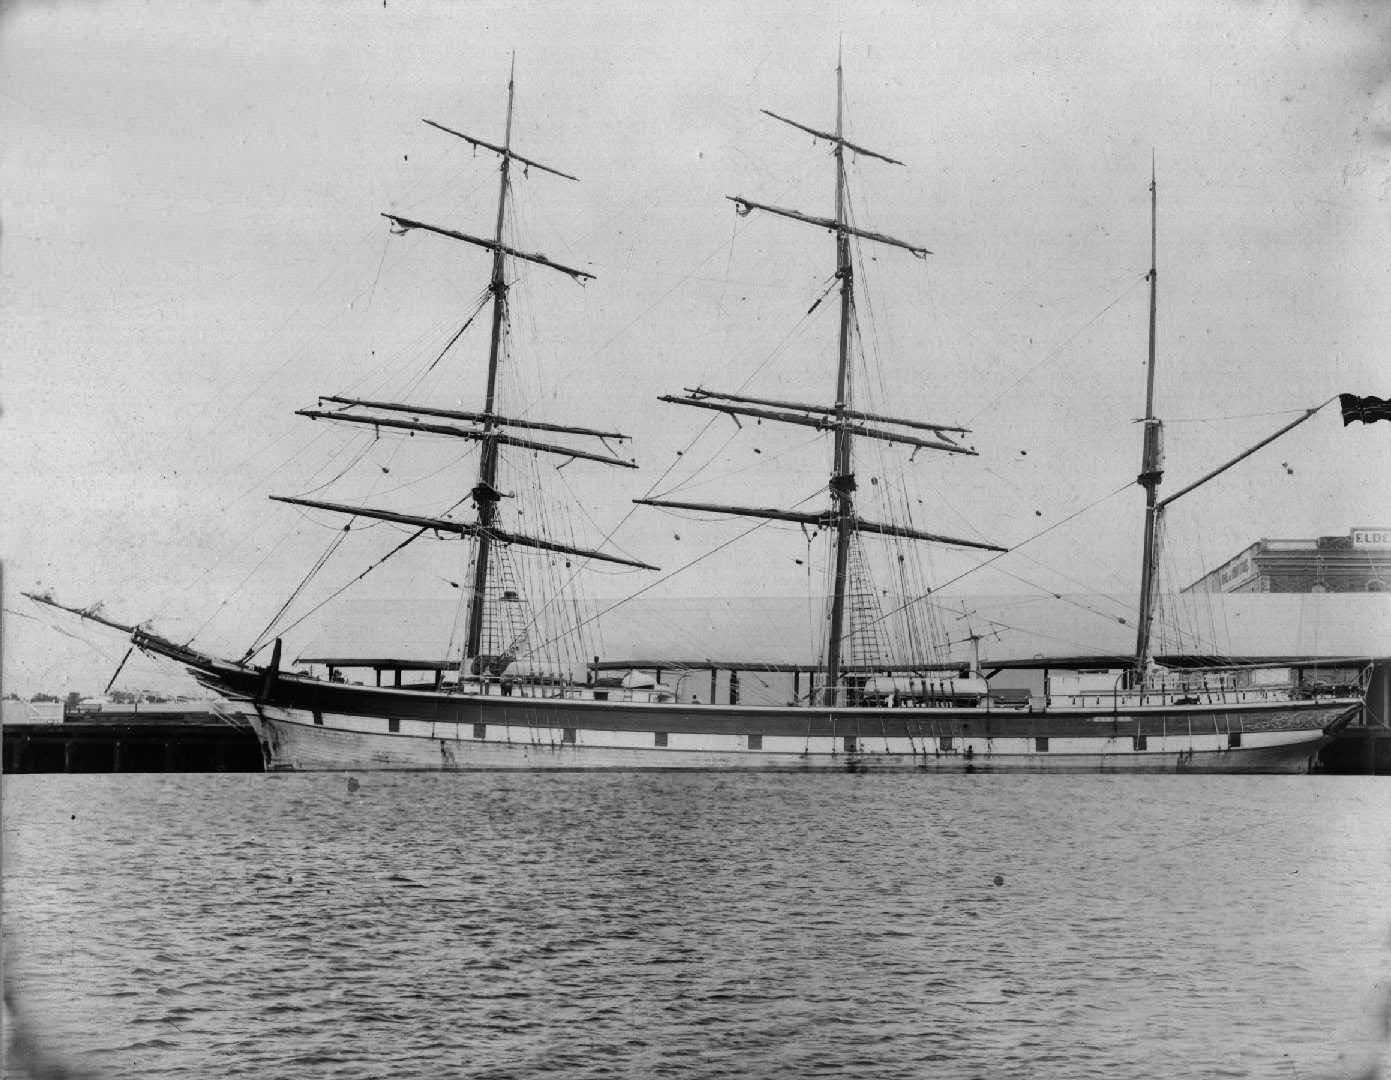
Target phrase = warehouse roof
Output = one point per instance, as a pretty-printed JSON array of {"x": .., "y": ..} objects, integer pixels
[{"x": 785, "y": 632}]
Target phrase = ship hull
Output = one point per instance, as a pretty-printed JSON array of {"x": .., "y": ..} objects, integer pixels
[
  {"x": 310, "y": 725},
  {"x": 292, "y": 746}
]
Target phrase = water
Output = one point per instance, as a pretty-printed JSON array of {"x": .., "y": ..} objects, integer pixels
[{"x": 699, "y": 925}]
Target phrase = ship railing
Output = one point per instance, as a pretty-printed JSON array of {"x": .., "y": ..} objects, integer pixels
[
  {"x": 533, "y": 685},
  {"x": 1118, "y": 699}
]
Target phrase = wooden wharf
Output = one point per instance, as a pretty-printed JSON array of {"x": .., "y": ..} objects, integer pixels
[{"x": 133, "y": 742}]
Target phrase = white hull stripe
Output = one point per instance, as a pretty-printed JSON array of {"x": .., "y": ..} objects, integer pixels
[{"x": 297, "y": 739}]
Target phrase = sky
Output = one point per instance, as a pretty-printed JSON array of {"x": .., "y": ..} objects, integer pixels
[{"x": 192, "y": 249}]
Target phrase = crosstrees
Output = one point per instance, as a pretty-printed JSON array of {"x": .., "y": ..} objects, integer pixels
[
  {"x": 456, "y": 414},
  {"x": 462, "y": 528},
  {"x": 831, "y": 138},
  {"x": 405, "y": 225},
  {"x": 841, "y": 228},
  {"x": 819, "y": 519},
  {"x": 477, "y": 434},
  {"x": 852, "y": 414},
  {"x": 503, "y": 150},
  {"x": 836, "y": 420}
]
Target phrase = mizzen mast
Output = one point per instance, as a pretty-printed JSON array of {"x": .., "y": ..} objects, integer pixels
[
  {"x": 1151, "y": 462},
  {"x": 1152, "y": 467}
]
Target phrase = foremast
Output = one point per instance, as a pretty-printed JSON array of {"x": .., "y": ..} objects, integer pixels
[
  {"x": 840, "y": 418},
  {"x": 489, "y": 426}
]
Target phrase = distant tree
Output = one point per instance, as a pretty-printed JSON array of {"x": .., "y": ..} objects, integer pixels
[
  {"x": 12, "y": 696},
  {"x": 72, "y": 699},
  {"x": 41, "y": 696}
]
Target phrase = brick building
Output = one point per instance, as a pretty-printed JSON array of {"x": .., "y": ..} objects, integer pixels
[{"x": 1357, "y": 562}]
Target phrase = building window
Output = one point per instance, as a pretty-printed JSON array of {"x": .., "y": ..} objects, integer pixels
[
  {"x": 318, "y": 718},
  {"x": 567, "y": 735},
  {"x": 755, "y": 742},
  {"x": 851, "y": 745},
  {"x": 480, "y": 731},
  {"x": 1139, "y": 743},
  {"x": 1041, "y": 744},
  {"x": 659, "y": 738},
  {"x": 1234, "y": 738},
  {"x": 945, "y": 742},
  {"x": 393, "y": 725},
  {"x": 601, "y": 695}
]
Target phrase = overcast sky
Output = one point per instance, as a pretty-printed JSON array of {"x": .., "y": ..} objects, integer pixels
[{"x": 192, "y": 250}]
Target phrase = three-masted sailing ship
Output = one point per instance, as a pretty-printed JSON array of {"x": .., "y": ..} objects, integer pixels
[{"x": 495, "y": 715}]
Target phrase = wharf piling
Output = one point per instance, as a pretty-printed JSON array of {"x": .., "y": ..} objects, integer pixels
[
  {"x": 190, "y": 742},
  {"x": 1358, "y": 750}
]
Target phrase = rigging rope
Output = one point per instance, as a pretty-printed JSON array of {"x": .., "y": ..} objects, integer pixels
[
  {"x": 240, "y": 585},
  {"x": 336, "y": 593},
  {"x": 1028, "y": 540},
  {"x": 367, "y": 446},
  {"x": 1053, "y": 353},
  {"x": 477, "y": 310},
  {"x": 1065, "y": 599},
  {"x": 1235, "y": 416},
  {"x": 686, "y": 566},
  {"x": 259, "y": 641}
]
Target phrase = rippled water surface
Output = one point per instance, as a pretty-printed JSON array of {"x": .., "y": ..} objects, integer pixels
[{"x": 701, "y": 925}]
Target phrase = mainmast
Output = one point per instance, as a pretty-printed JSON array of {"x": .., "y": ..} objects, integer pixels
[
  {"x": 1151, "y": 462},
  {"x": 839, "y": 418},
  {"x": 842, "y": 475},
  {"x": 485, "y": 493}
]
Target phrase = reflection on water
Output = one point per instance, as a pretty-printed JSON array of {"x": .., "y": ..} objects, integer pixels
[{"x": 699, "y": 925}]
